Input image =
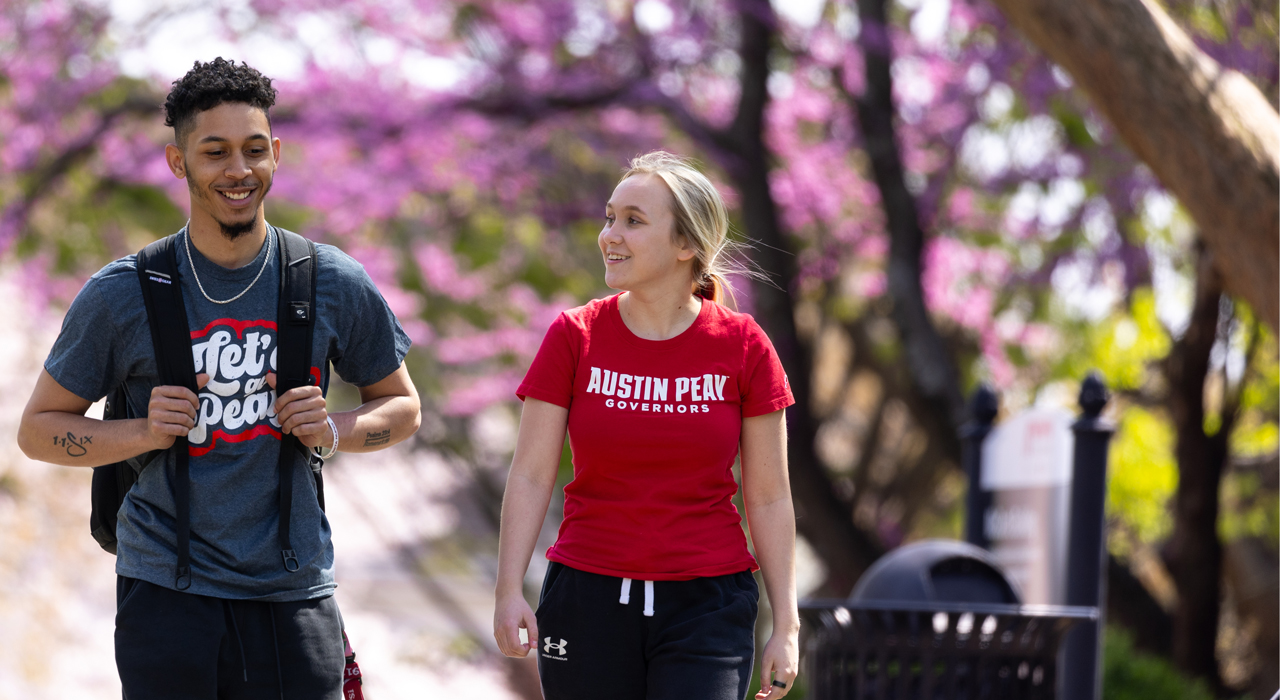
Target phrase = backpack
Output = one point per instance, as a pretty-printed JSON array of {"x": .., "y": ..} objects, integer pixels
[{"x": 171, "y": 341}]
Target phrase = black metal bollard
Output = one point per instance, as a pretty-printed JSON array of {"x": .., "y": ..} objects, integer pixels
[
  {"x": 1081, "y": 675},
  {"x": 983, "y": 408}
]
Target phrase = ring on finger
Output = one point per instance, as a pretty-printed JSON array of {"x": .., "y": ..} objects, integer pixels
[{"x": 780, "y": 684}]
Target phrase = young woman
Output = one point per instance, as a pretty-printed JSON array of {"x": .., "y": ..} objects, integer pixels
[{"x": 650, "y": 593}]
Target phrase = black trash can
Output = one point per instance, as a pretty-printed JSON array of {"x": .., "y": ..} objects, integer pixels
[{"x": 934, "y": 620}]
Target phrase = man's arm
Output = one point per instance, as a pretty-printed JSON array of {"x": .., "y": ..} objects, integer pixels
[
  {"x": 54, "y": 428},
  {"x": 389, "y": 412}
]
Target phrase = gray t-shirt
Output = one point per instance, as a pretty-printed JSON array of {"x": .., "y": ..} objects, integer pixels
[{"x": 105, "y": 340}]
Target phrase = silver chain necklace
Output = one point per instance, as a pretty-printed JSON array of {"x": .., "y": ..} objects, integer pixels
[{"x": 187, "y": 240}]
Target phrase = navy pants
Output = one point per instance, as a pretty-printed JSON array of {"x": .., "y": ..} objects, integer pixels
[
  {"x": 698, "y": 641},
  {"x": 179, "y": 646}
]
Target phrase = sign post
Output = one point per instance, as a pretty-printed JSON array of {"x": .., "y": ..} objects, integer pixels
[
  {"x": 983, "y": 408},
  {"x": 1087, "y": 551},
  {"x": 1037, "y": 496}
]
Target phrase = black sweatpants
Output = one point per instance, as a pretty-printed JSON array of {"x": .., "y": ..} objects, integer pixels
[
  {"x": 178, "y": 646},
  {"x": 697, "y": 640}
]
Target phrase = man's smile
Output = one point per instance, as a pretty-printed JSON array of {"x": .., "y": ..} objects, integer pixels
[{"x": 237, "y": 196}]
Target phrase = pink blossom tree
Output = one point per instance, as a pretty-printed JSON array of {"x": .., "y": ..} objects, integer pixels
[{"x": 933, "y": 201}]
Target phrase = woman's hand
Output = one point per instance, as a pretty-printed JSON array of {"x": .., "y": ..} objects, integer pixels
[
  {"x": 511, "y": 614},
  {"x": 780, "y": 662},
  {"x": 524, "y": 505}
]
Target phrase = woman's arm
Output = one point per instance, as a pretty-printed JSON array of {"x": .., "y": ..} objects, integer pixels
[
  {"x": 524, "y": 506},
  {"x": 766, "y": 491}
]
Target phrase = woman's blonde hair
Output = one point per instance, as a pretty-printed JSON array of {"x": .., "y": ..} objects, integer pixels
[{"x": 701, "y": 218}]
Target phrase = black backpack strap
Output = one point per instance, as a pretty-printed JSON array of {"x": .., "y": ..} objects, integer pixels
[
  {"x": 295, "y": 324},
  {"x": 111, "y": 482},
  {"x": 167, "y": 315}
]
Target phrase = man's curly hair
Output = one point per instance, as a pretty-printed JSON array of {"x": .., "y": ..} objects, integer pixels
[{"x": 208, "y": 85}]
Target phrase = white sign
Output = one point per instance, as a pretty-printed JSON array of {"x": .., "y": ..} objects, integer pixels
[
  {"x": 1031, "y": 449},
  {"x": 1026, "y": 466}
]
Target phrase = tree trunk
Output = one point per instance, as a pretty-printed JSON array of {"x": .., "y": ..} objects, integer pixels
[
  {"x": 1194, "y": 553},
  {"x": 1251, "y": 572},
  {"x": 821, "y": 518},
  {"x": 939, "y": 404},
  {"x": 1131, "y": 605},
  {"x": 1208, "y": 133}
]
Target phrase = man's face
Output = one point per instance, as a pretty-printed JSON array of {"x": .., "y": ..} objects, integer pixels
[{"x": 228, "y": 160}]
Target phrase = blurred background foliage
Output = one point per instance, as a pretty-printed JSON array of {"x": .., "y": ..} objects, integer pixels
[{"x": 462, "y": 151}]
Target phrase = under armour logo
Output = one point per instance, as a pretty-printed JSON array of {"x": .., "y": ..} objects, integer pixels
[{"x": 548, "y": 646}]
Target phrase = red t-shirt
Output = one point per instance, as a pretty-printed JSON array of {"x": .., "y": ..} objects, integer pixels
[{"x": 654, "y": 426}]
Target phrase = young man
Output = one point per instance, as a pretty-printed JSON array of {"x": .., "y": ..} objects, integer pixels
[{"x": 243, "y": 624}]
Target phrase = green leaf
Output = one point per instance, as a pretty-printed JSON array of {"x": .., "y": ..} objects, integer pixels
[
  {"x": 1132, "y": 675},
  {"x": 1144, "y": 473}
]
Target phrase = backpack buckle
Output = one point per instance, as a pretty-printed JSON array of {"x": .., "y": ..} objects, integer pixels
[
  {"x": 290, "y": 560},
  {"x": 183, "y": 580}
]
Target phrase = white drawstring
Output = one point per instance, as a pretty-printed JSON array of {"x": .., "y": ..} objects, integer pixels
[{"x": 625, "y": 597}]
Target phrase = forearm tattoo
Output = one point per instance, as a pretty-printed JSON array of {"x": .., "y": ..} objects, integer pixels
[
  {"x": 76, "y": 446},
  {"x": 379, "y": 438}
]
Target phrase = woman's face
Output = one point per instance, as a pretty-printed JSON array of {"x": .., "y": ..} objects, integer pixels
[{"x": 638, "y": 238}]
